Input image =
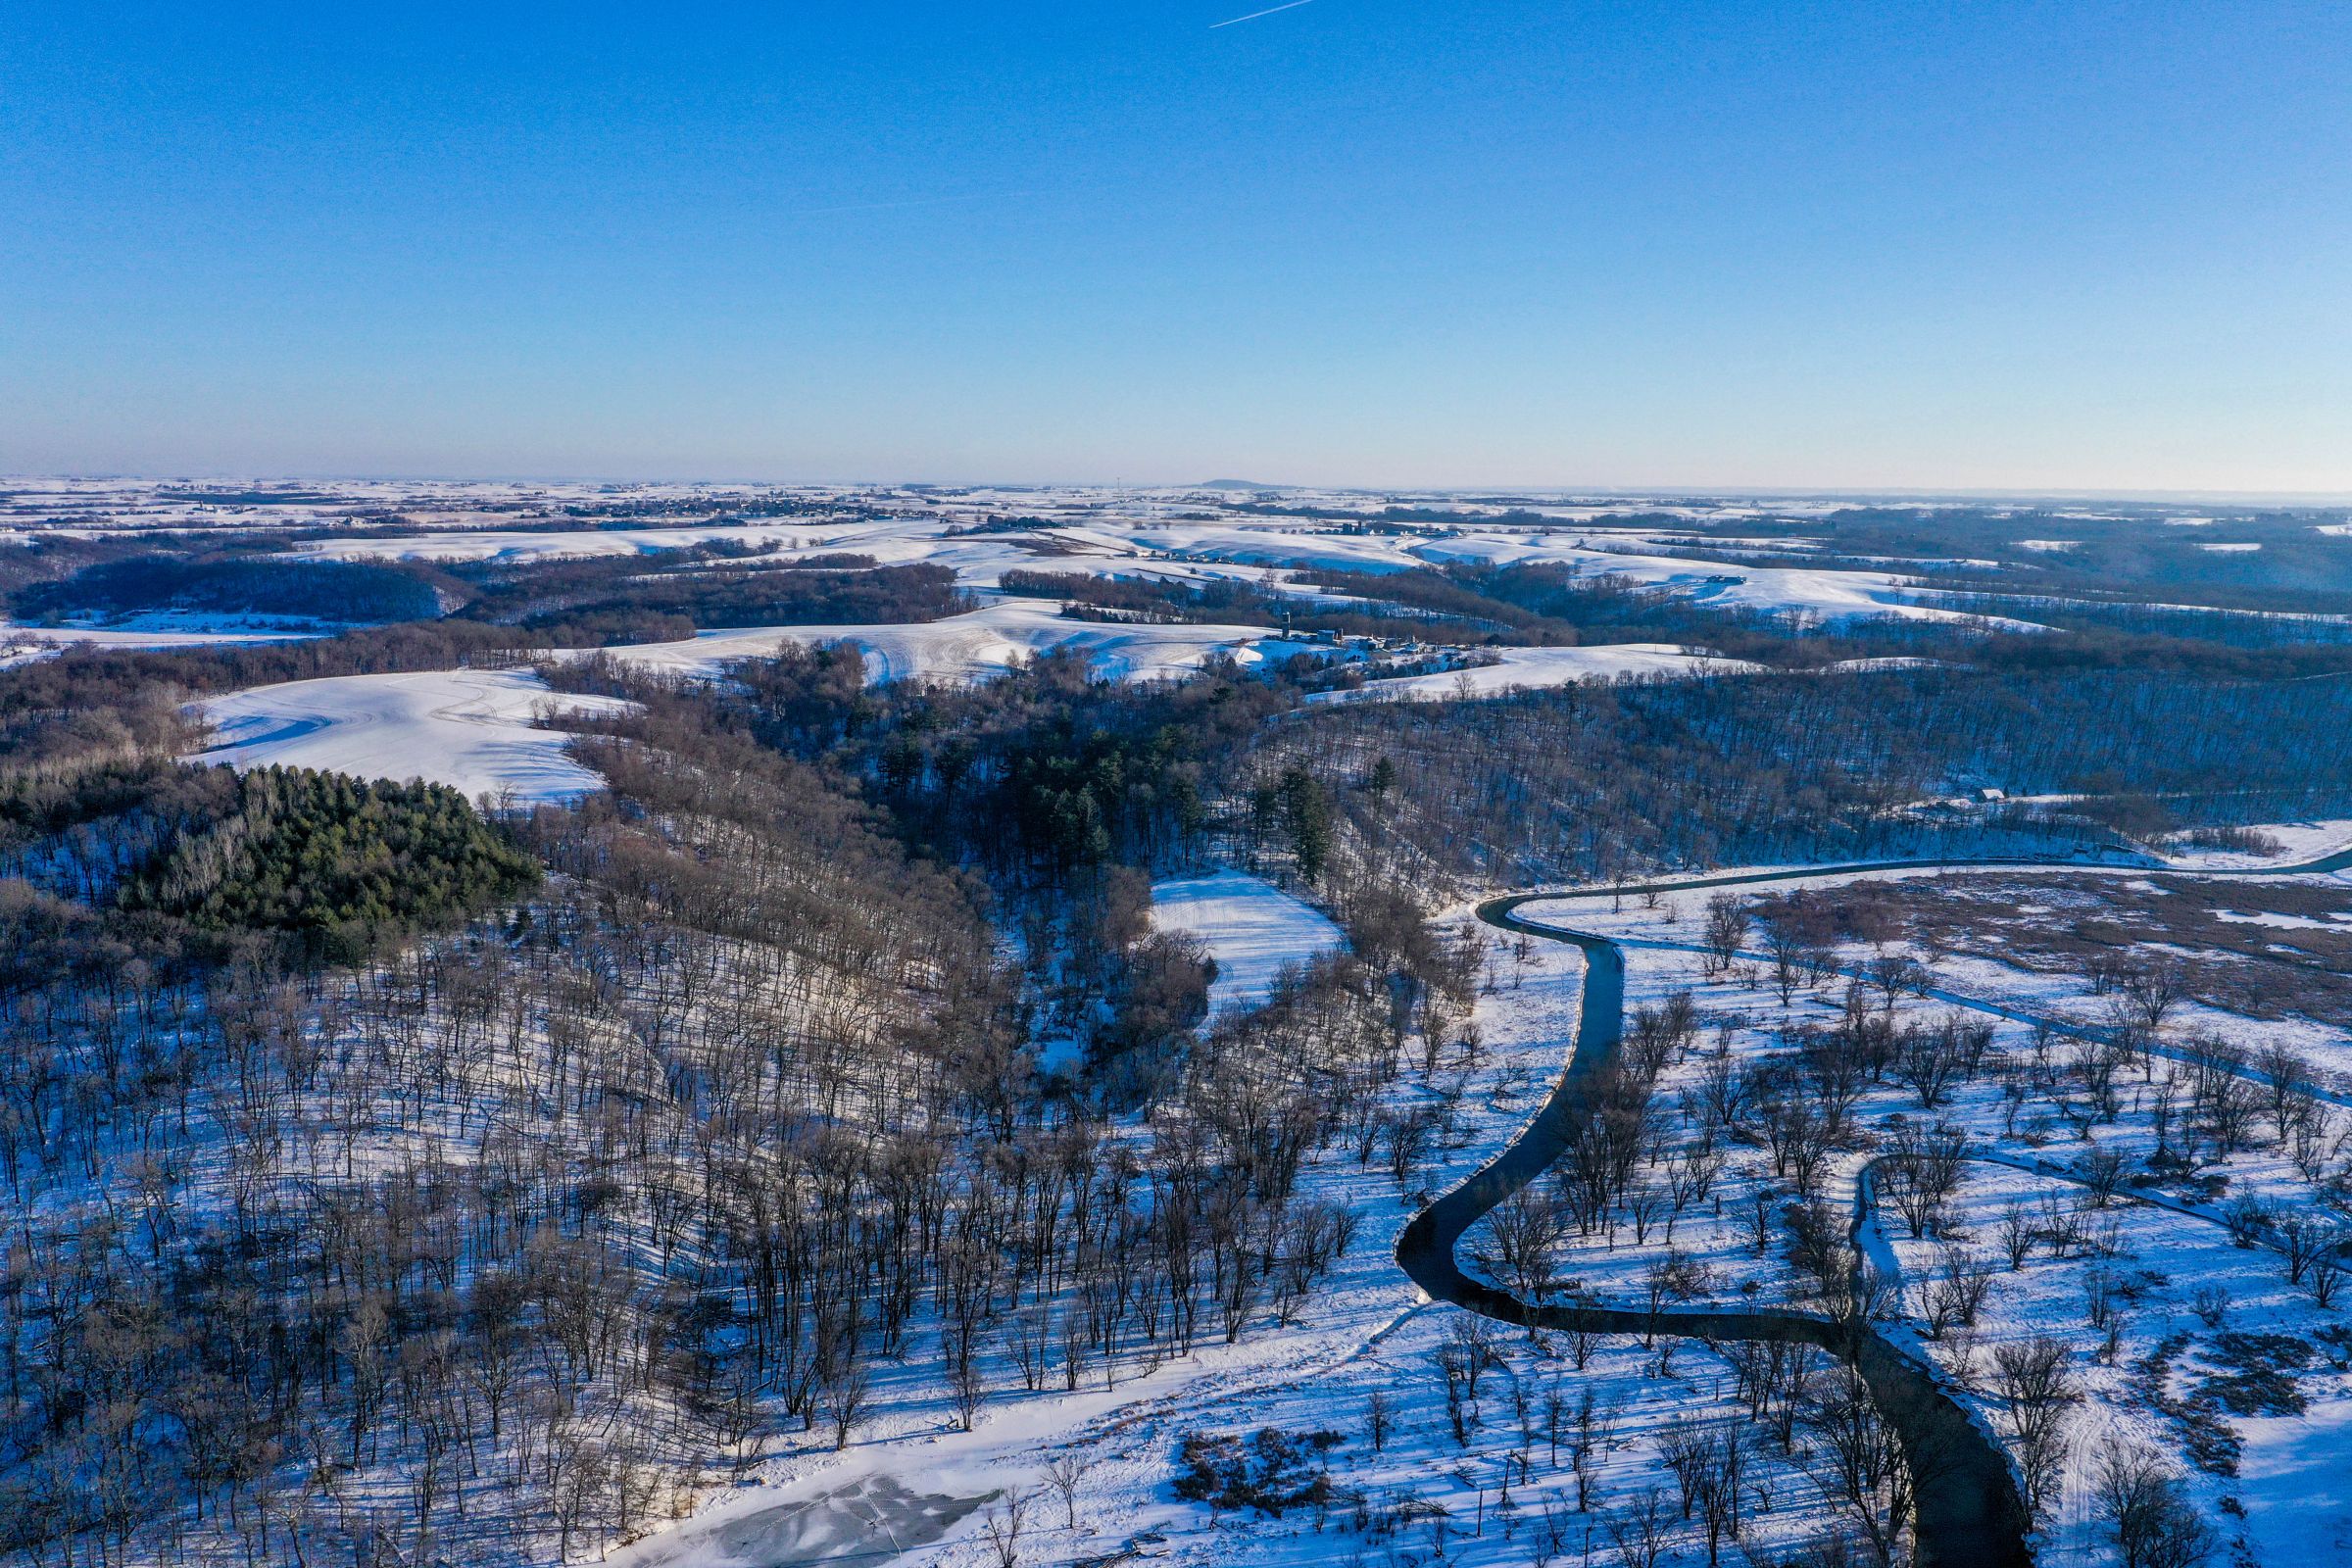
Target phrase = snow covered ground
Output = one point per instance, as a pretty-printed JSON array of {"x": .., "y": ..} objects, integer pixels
[
  {"x": 2297, "y": 841},
  {"x": 913, "y": 1490},
  {"x": 471, "y": 729},
  {"x": 2165, "y": 1265},
  {"x": 519, "y": 545},
  {"x": 1138, "y": 539},
  {"x": 1822, "y": 593},
  {"x": 2291, "y": 1481},
  {"x": 1251, "y": 928},
  {"x": 976, "y": 645},
  {"x": 1522, "y": 668},
  {"x": 977, "y": 558},
  {"x": 2166, "y": 1262},
  {"x": 152, "y": 632}
]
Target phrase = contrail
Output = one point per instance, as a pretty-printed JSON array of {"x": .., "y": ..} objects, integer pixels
[{"x": 1289, "y": 5}]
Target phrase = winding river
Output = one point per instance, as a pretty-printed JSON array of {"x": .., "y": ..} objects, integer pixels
[{"x": 1969, "y": 1513}]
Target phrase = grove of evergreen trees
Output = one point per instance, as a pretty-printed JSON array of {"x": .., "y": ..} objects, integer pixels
[{"x": 341, "y": 863}]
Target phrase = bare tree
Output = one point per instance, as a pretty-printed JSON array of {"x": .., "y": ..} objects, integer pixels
[
  {"x": 1867, "y": 1473},
  {"x": 1063, "y": 1475},
  {"x": 1000, "y": 1526},
  {"x": 1726, "y": 928},
  {"x": 2144, "y": 1504},
  {"x": 2037, "y": 1383},
  {"x": 1593, "y": 1431},
  {"x": 2153, "y": 989},
  {"x": 1639, "y": 1529}
]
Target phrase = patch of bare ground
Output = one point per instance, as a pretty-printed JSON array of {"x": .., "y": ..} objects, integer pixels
[{"x": 2268, "y": 950}]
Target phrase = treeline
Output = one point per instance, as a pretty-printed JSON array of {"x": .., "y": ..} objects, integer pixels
[
  {"x": 239, "y": 585},
  {"x": 103, "y": 829},
  {"x": 43, "y": 700},
  {"x": 1234, "y": 602},
  {"x": 1050, "y": 772},
  {"x": 559, "y": 604},
  {"x": 638, "y": 512},
  {"x": 1533, "y": 606},
  {"x": 649, "y": 609},
  {"x": 667, "y": 594},
  {"x": 1550, "y": 605},
  {"x": 1214, "y": 598},
  {"x": 2152, "y": 626},
  {"x": 1602, "y": 781},
  {"x": 2136, "y": 552},
  {"x": 1546, "y": 605}
]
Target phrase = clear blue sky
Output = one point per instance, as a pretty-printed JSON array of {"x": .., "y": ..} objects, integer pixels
[{"x": 1974, "y": 243}]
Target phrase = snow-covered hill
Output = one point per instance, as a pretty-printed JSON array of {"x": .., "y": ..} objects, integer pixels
[{"x": 471, "y": 729}]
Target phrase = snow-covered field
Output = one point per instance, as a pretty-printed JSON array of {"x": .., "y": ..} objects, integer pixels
[
  {"x": 2297, "y": 841},
  {"x": 1251, "y": 928},
  {"x": 1822, "y": 593},
  {"x": 471, "y": 729},
  {"x": 976, "y": 645},
  {"x": 149, "y": 632},
  {"x": 1527, "y": 669},
  {"x": 493, "y": 544},
  {"x": 475, "y": 729},
  {"x": 1081, "y": 533}
]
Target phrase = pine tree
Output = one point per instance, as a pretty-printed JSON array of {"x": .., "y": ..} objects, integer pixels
[{"x": 1306, "y": 814}]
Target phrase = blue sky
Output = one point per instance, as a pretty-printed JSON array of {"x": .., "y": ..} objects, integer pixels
[{"x": 1980, "y": 244}]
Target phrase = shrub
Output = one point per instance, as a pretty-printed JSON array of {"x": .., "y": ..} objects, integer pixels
[{"x": 1270, "y": 1470}]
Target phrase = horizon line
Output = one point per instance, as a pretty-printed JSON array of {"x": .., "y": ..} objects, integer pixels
[{"x": 2191, "y": 496}]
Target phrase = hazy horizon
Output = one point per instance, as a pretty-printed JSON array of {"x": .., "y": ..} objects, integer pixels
[{"x": 1497, "y": 488}]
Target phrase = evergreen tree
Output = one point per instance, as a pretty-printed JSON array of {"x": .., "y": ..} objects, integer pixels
[{"x": 1306, "y": 814}]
